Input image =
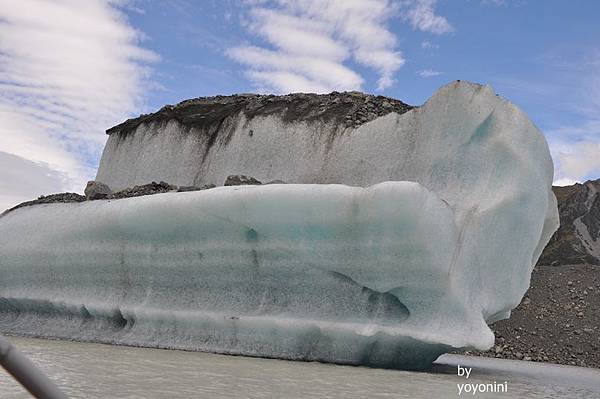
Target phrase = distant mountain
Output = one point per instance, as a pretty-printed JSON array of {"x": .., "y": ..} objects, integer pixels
[{"x": 577, "y": 240}]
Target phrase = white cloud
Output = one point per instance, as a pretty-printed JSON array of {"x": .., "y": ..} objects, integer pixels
[
  {"x": 21, "y": 179},
  {"x": 426, "y": 44},
  {"x": 68, "y": 70},
  {"x": 421, "y": 16},
  {"x": 317, "y": 72},
  {"x": 311, "y": 41},
  {"x": 428, "y": 73},
  {"x": 494, "y": 2},
  {"x": 565, "y": 182},
  {"x": 582, "y": 160},
  {"x": 576, "y": 152}
]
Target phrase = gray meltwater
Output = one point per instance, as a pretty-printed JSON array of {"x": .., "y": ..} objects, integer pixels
[{"x": 86, "y": 370}]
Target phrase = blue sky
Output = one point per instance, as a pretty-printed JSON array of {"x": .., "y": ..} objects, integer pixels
[{"x": 71, "y": 69}]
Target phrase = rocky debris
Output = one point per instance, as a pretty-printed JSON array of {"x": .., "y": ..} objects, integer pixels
[
  {"x": 95, "y": 190},
  {"x": 181, "y": 189},
  {"x": 240, "y": 180},
  {"x": 349, "y": 109},
  {"x": 145, "y": 189},
  {"x": 558, "y": 321},
  {"x": 577, "y": 240},
  {"x": 275, "y": 182},
  {"x": 49, "y": 199}
]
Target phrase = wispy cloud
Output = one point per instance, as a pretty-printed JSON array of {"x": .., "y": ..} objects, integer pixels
[
  {"x": 311, "y": 42},
  {"x": 68, "y": 70},
  {"x": 494, "y": 2},
  {"x": 580, "y": 160},
  {"x": 428, "y": 73},
  {"x": 422, "y": 16},
  {"x": 576, "y": 151},
  {"x": 505, "y": 3},
  {"x": 426, "y": 44}
]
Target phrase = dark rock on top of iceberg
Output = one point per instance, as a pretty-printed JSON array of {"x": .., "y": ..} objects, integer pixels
[
  {"x": 240, "y": 180},
  {"x": 95, "y": 190},
  {"x": 145, "y": 189},
  {"x": 49, "y": 199},
  {"x": 276, "y": 181},
  {"x": 181, "y": 189},
  {"x": 347, "y": 108}
]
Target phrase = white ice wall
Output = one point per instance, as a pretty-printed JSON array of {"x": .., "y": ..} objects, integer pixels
[
  {"x": 297, "y": 271},
  {"x": 475, "y": 150}
]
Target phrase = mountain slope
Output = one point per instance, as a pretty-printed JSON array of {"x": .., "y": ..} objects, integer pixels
[{"x": 577, "y": 241}]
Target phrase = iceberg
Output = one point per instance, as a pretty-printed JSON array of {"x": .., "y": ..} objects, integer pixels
[{"x": 430, "y": 232}]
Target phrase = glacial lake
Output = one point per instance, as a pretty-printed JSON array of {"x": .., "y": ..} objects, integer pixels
[{"x": 87, "y": 370}]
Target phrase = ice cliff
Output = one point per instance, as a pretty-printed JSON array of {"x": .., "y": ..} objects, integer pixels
[{"x": 436, "y": 218}]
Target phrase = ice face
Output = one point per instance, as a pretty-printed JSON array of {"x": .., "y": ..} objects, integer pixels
[
  {"x": 298, "y": 271},
  {"x": 389, "y": 275},
  {"x": 475, "y": 150}
]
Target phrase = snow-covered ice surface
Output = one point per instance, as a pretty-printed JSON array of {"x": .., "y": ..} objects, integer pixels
[
  {"x": 89, "y": 371},
  {"x": 388, "y": 275}
]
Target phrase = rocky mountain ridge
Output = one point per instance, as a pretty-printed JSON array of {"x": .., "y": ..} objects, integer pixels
[{"x": 577, "y": 241}]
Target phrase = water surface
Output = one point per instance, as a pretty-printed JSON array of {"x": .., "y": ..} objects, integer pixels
[{"x": 86, "y": 370}]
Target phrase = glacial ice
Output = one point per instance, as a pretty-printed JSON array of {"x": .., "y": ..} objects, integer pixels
[{"x": 433, "y": 233}]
